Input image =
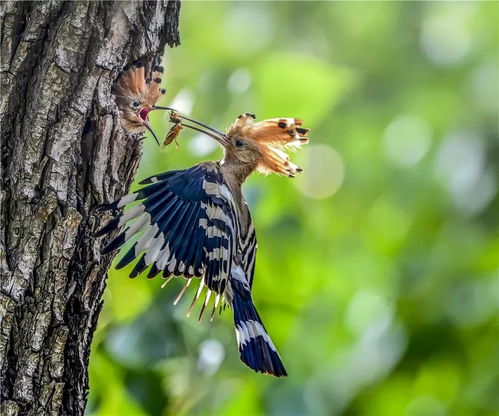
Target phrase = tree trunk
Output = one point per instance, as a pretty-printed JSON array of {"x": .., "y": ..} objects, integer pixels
[{"x": 63, "y": 153}]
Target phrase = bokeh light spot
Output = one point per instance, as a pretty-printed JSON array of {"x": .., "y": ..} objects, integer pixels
[
  {"x": 211, "y": 355},
  {"x": 242, "y": 23},
  {"x": 324, "y": 171},
  {"x": 202, "y": 145},
  {"x": 472, "y": 302},
  {"x": 363, "y": 309},
  {"x": 445, "y": 35},
  {"x": 460, "y": 165},
  {"x": 406, "y": 140},
  {"x": 183, "y": 102},
  {"x": 483, "y": 86},
  {"x": 239, "y": 81}
]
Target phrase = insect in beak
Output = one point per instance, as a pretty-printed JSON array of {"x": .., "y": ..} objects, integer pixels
[
  {"x": 174, "y": 131},
  {"x": 143, "y": 114},
  {"x": 176, "y": 118}
]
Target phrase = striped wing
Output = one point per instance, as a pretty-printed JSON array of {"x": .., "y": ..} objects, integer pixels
[
  {"x": 248, "y": 249},
  {"x": 187, "y": 226}
]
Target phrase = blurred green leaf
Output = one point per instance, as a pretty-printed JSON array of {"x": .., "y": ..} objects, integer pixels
[
  {"x": 375, "y": 279},
  {"x": 292, "y": 84}
]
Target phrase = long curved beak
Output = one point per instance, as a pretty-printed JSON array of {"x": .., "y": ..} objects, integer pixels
[
  {"x": 148, "y": 127},
  {"x": 203, "y": 128}
]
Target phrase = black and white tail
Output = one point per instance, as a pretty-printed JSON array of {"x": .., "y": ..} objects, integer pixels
[{"x": 256, "y": 348}]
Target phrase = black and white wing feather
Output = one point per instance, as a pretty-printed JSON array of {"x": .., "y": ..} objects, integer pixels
[
  {"x": 187, "y": 225},
  {"x": 248, "y": 249},
  {"x": 186, "y": 222}
]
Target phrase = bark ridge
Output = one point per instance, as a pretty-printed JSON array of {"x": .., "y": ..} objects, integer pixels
[{"x": 62, "y": 153}]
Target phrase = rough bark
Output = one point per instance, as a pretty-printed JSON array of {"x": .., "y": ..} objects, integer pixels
[{"x": 63, "y": 153}]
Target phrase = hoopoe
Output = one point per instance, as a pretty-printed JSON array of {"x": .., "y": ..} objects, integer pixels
[
  {"x": 196, "y": 223},
  {"x": 137, "y": 95}
]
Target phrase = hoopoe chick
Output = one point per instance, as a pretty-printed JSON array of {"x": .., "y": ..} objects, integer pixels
[
  {"x": 196, "y": 223},
  {"x": 136, "y": 96}
]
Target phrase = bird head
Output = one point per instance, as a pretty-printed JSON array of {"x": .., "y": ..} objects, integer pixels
[
  {"x": 265, "y": 143},
  {"x": 136, "y": 96},
  {"x": 257, "y": 145}
]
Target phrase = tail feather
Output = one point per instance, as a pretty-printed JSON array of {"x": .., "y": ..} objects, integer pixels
[{"x": 256, "y": 348}]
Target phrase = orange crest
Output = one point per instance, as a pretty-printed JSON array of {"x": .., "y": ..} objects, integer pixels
[
  {"x": 133, "y": 85},
  {"x": 272, "y": 138}
]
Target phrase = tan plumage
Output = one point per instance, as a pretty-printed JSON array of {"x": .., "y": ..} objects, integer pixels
[
  {"x": 196, "y": 223},
  {"x": 251, "y": 145},
  {"x": 270, "y": 139},
  {"x": 136, "y": 96}
]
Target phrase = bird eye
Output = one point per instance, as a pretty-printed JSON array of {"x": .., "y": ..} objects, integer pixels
[
  {"x": 239, "y": 143},
  {"x": 136, "y": 104}
]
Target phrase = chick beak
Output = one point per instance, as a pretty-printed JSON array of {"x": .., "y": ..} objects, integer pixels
[
  {"x": 143, "y": 114},
  {"x": 148, "y": 127}
]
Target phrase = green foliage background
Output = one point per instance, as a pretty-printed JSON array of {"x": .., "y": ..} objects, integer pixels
[{"x": 377, "y": 270}]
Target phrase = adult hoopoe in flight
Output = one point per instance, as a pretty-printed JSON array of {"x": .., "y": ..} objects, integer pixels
[{"x": 196, "y": 223}]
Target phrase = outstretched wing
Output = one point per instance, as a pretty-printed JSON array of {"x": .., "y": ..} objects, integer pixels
[{"x": 187, "y": 222}]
